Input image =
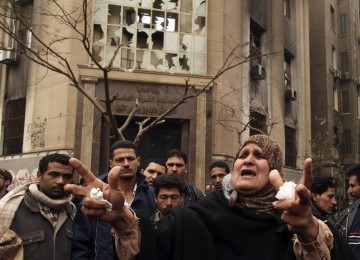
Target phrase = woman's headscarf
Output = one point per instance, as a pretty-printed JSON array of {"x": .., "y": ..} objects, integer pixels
[
  {"x": 271, "y": 149},
  {"x": 261, "y": 202}
]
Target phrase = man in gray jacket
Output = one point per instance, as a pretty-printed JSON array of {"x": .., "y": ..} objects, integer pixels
[{"x": 350, "y": 217}]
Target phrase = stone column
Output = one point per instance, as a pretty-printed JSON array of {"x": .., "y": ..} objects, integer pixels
[
  {"x": 200, "y": 141},
  {"x": 87, "y": 125}
]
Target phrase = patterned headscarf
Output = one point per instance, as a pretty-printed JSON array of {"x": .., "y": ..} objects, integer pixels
[
  {"x": 271, "y": 149},
  {"x": 260, "y": 202}
]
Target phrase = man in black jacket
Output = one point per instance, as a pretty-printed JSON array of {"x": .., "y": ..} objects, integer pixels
[
  {"x": 323, "y": 197},
  {"x": 92, "y": 238},
  {"x": 176, "y": 162},
  {"x": 350, "y": 217}
]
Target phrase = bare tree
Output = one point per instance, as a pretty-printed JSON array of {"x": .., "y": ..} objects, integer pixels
[
  {"x": 325, "y": 151},
  {"x": 232, "y": 120},
  {"x": 44, "y": 49}
]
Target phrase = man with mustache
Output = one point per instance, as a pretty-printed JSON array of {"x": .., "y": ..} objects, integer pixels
[
  {"x": 168, "y": 194},
  {"x": 41, "y": 213},
  {"x": 92, "y": 238},
  {"x": 323, "y": 197}
]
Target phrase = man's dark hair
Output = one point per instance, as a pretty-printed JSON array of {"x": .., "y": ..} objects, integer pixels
[
  {"x": 122, "y": 144},
  {"x": 354, "y": 170},
  {"x": 176, "y": 153},
  {"x": 219, "y": 164},
  {"x": 154, "y": 160},
  {"x": 168, "y": 181},
  {"x": 54, "y": 157},
  {"x": 321, "y": 184}
]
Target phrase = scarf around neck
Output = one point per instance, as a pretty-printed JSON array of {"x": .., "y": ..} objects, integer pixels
[
  {"x": 42, "y": 198},
  {"x": 260, "y": 202}
]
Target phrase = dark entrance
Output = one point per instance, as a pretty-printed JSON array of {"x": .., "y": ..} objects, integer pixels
[{"x": 158, "y": 140}]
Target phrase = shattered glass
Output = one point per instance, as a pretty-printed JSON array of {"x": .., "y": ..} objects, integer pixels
[
  {"x": 129, "y": 16},
  {"x": 159, "y": 35},
  {"x": 157, "y": 60},
  {"x": 171, "y": 22},
  {"x": 114, "y": 16}
]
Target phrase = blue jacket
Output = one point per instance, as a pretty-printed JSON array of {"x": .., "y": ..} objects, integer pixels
[{"x": 93, "y": 238}]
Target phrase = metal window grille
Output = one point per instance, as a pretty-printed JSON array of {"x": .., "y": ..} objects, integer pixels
[{"x": 14, "y": 126}]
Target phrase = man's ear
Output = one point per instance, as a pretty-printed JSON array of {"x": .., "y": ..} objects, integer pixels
[
  {"x": 314, "y": 197},
  {"x": 7, "y": 183},
  {"x": 156, "y": 201},
  {"x": 138, "y": 159},
  {"x": 38, "y": 175}
]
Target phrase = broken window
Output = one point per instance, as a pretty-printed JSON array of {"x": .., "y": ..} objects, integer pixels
[
  {"x": 163, "y": 35},
  {"x": 142, "y": 40},
  {"x": 287, "y": 69},
  {"x": 156, "y": 60},
  {"x": 157, "y": 40},
  {"x": 170, "y": 5},
  {"x": 113, "y": 36},
  {"x": 171, "y": 60},
  {"x": 158, "y": 20},
  {"x": 184, "y": 62},
  {"x": 144, "y": 18},
  {"x": 98, "y": 34},
  {"x": 200, "y": 7},
  {"x": 127, "y": 37},
  {"x": 185, "y": 42},
  {"x": 199, "y": 25},
  {"x": 114, "y": 16},
  {"x": 171, "y": 22},
  {"x": 256, "y": 33},
  {"x": 129, "y": 16}
]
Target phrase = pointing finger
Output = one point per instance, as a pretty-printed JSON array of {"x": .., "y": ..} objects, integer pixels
[
  {"x": 76, "y": 190},
  {"x": 306, "y": 178},
  {"x": 113, "y": 177},
  {"x": 275, "y": 179},
  {"x": 82, "y": 170}
]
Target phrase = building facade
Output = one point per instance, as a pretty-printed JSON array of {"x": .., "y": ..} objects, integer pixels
[
  {"x": 335, "y": 85},
  {"x": 162, "y": 45}
]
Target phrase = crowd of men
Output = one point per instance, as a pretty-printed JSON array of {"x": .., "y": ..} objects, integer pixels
[{"x": 51, "y": 224}]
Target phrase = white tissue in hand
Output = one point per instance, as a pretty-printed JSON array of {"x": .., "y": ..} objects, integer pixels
[
  {"x": 96, "y": 193},
  {"x": 286, "y": 191}
]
